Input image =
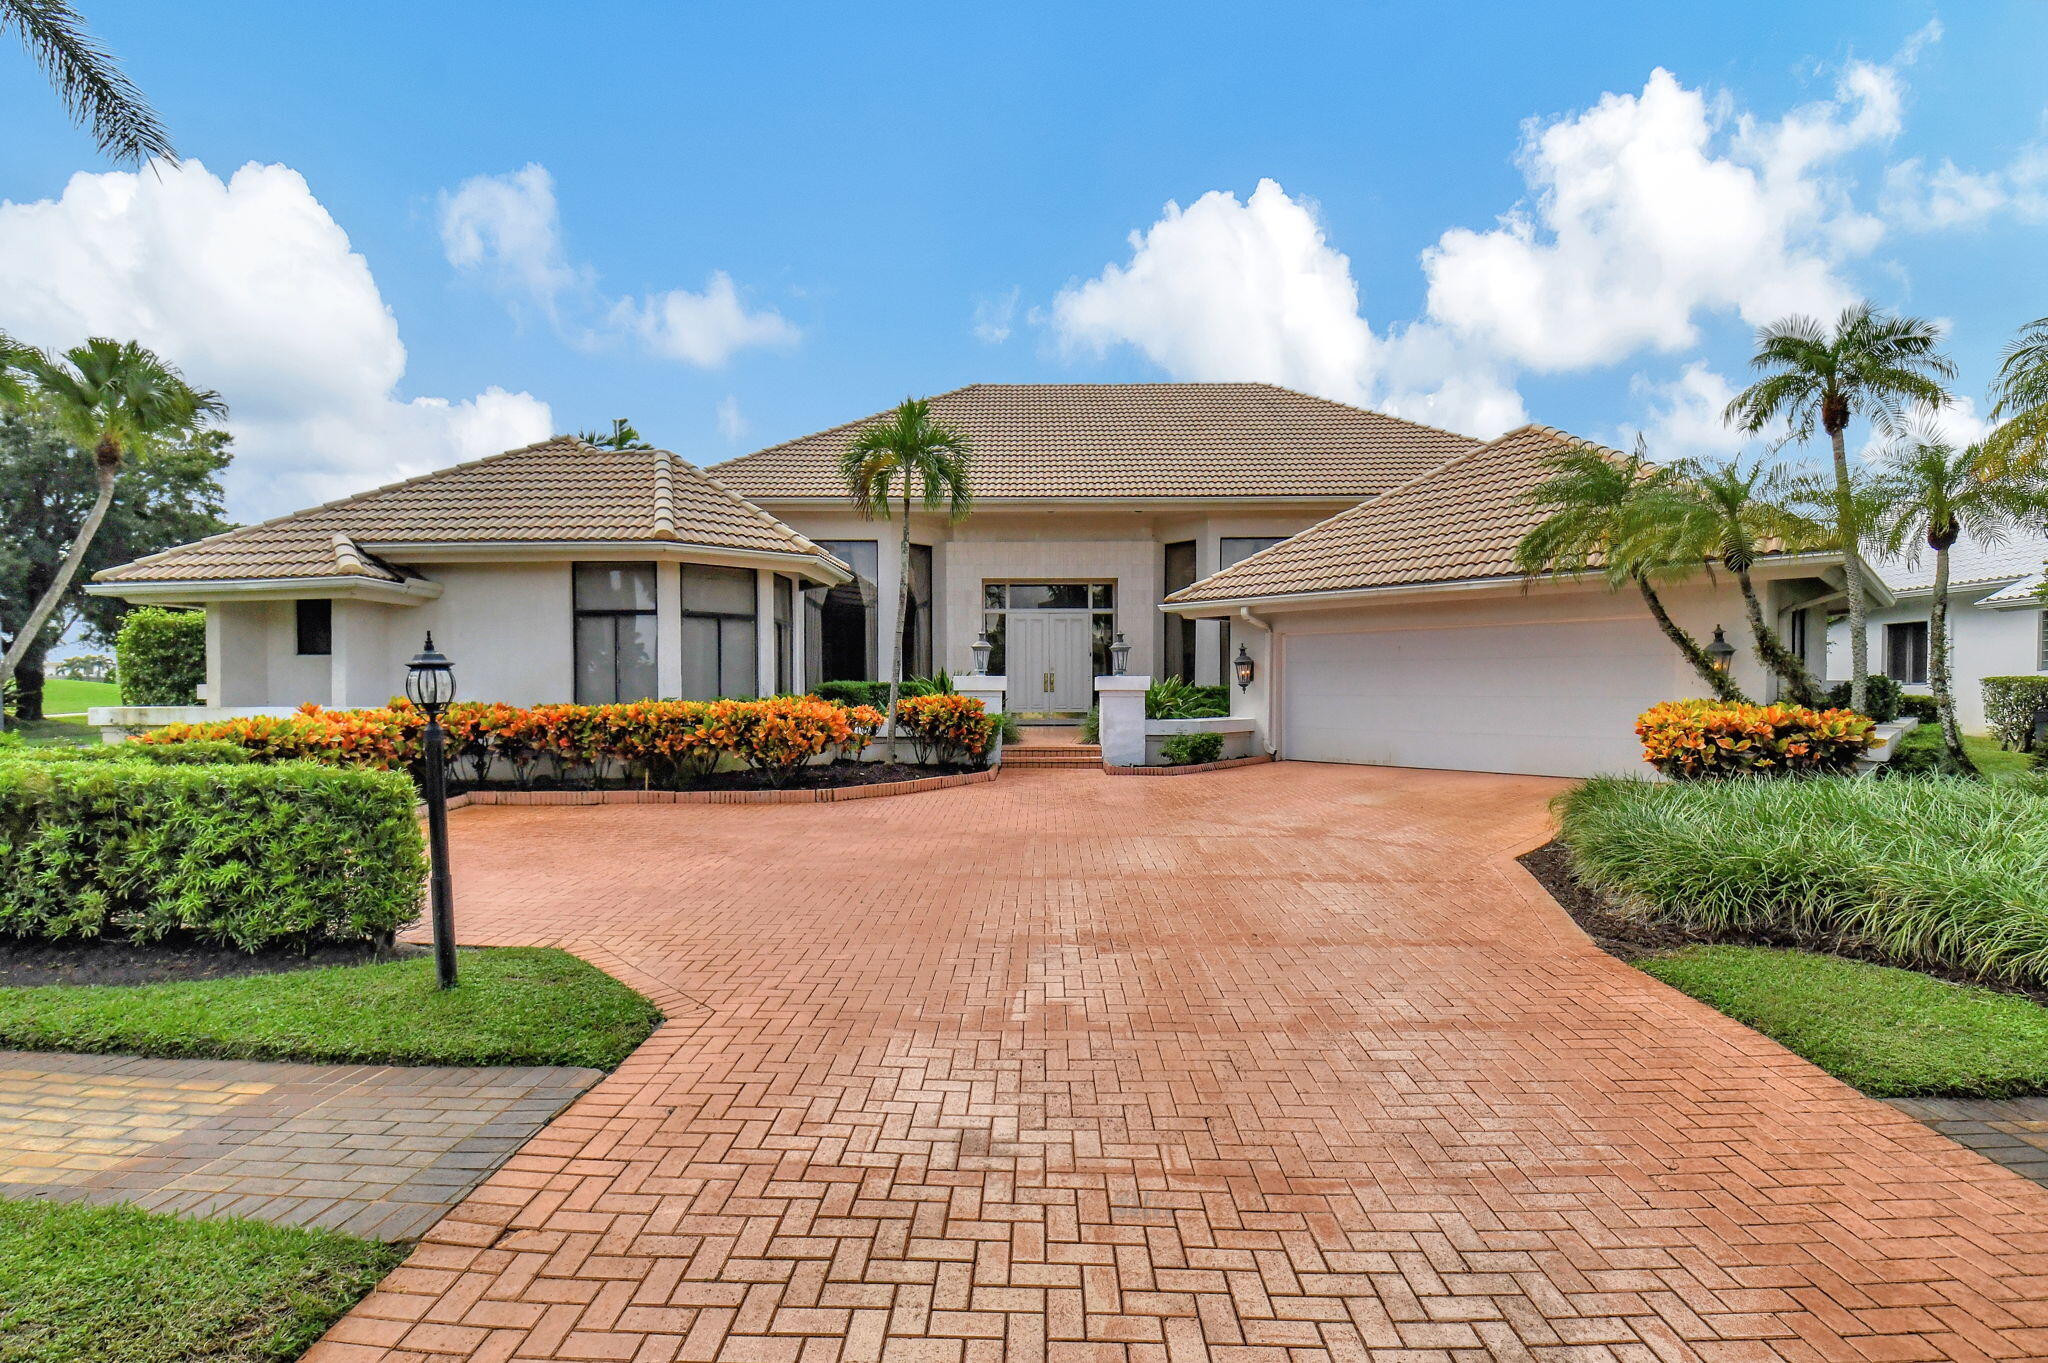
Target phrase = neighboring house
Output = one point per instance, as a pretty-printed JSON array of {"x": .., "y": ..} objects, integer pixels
[
  {"x": 563, "y": 572},
  {"x": 1998, "y": 620}
]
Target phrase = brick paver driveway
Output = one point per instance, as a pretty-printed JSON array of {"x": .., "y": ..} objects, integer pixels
[{"x": 1102, "y": 1068}]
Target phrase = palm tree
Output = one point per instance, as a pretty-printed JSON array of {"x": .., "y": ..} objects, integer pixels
[
  {"x": 1871, "y": 365},
  {"x": 622, "y": 436},
  {"x": 1600, "y": 511},
  {"x": 1729, "y": 513},
  {"x": 89, "y": 80},
  {"x": 14, "y": 361},
  {"x": 116, "y": 399},
  {"x": 2019, "y": 401},
  {"x": 881, "y": 463},
  {"x": 1928, "y": 491}
]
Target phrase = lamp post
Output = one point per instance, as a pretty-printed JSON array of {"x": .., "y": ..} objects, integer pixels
[
  {"x": 1119, "y": 657},
  {"x": 430, "y": 684},
  {"x": 981, "y": 648},
  {"x": 1244, "y": 668},
  {"x": 1720, "y": 653}
]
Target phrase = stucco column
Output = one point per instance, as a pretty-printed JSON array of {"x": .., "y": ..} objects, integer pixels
[
  {"x": 797, "y": 622},
  {"x": 988, "y": 690},
  {"x": 1120, "y": 703},
  {"x": 668, "y": 630},
  {"x": 216, "y": 655},
  {"x": 764, "y": 632}
]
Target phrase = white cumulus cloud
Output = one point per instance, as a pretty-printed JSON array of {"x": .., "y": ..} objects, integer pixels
[
  {"x": 507, "y": 230},
  {"x": 249, "y": 286},
  {"x": 732, "y": 423}
]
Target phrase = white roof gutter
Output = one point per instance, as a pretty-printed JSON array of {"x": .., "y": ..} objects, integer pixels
[{"x": 337, "y": 586}]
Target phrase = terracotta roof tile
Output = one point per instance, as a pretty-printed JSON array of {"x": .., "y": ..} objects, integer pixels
[
  {"x": 1137, "y": 440},
  {"x": 557, "y": 490},
  {"x": 1457, "y": 522}
]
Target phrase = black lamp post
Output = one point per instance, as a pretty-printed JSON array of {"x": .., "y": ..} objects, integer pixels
[
  {"x": 430, "y": 684},
  {"x": 1720, "y": 653},
  {"x": 1244, "y": 667}
]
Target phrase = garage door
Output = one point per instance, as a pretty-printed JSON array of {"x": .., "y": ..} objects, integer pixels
[{"x": 1552, "y": 700}]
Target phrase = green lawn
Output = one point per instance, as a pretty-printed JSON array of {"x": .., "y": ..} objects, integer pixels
[
  {"x": 1922, "y": 746},
  {"x": 61, "y": 697},
  {"x": 513, "y": 1006},
  {"x": 52, "y": 732},
  {"x": 85, "y": 1284},
  {"x": 1891, "y": 1033}
]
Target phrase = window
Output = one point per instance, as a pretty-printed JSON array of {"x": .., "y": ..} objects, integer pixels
[
  {"x": 615, "y": 627},
  {"x": 839, "y": 622},
  {"x": 1180, "y": 631},
  {"x": 315, "y": 626},
  {"x": 718, "y": 633},
  {"x": 2042, "y": 661},
  {"x": 1796, "y": 642},
  {"x": 783, "y": 634},
  {"x": 917, "y": 624},
  {"x": 1905, "y": 651},
  {"x": 1233, "y": 550}
]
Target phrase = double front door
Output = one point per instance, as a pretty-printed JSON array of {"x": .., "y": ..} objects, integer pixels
[{"x": 1050, "y": 659}]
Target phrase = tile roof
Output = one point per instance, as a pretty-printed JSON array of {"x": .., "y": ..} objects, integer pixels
[
  {"x": 560, "y": 489},
  {"x": 1458, "y": 522},
  {"x": 1969, "y": 563},
  {"x": 1082, "y": 440},
  {"x": 2027, "y": 591}
]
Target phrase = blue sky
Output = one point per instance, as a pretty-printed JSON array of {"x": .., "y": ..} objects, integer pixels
[{"x": 749, "y": 222}]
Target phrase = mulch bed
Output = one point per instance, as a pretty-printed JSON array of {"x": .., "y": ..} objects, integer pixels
[
  {"x": 101, "y": 962},
  {"x": 1629, "y": 938},
  {"x": 827, "y": 777}
]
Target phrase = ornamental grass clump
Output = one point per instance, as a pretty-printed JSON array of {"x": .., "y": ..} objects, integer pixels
[
  {"x": 1704, "y": 739},
  {"x": 1940, "y": 873}
]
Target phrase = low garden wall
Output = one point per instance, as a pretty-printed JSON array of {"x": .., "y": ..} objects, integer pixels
[{"x": 1236, "y": 730}]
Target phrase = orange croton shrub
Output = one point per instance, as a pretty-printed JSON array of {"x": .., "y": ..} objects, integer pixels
[
  {"x": 1698, "y": 739},
  {"x": 946, "y": 728}
]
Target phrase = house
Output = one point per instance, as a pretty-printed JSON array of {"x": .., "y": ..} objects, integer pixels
[
  {"x": 1997, "y": 619},
  {"x": 1360, "y": 561}
]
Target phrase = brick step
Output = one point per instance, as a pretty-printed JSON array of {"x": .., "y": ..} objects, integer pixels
[
  {"x": 1016, "y": 759},
  {"x": 1055, "y": 749}
]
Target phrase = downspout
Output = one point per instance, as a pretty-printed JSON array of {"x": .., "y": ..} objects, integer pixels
[{"x": 1244, "y": 613}]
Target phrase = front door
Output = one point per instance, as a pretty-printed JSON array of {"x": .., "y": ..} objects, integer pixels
[{"x": 1051, "y": 661}]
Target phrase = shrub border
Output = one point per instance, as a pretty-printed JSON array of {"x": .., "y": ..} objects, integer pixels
[
  {"x": 822, "y": 795},
  {"x": 1191, "y": 768}
]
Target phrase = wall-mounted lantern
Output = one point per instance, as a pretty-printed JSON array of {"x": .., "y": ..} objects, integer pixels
[
  {"x": 1246, "y": 669},
  {"x": 1721, "y": 653}
]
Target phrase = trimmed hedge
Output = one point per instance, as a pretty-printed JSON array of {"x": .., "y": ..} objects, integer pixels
[
  {"x": 1187, "y": 750},
  {"x": 291, "y": 855},
  {"x": 1885, "y": 699},
  {"x": 2009, "y": 705},
  {"x": 192, "y": 752},
  {"x": 872, "y": 693},
  {"x": 161, "y": 656}
]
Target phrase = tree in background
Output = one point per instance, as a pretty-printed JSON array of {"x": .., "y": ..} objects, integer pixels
[
  {"x": 622, "y": 436},
  {"x": 89, "y": 81},
  {"x": 2019, "y": 403},
  {"x": 1929, "y": 492},
  {"x": 1600, "y": 515},
  {"x": 1872, "y": 365},
  {"x": 105, "y": 402},
  {"x": 883, "y": 462}
]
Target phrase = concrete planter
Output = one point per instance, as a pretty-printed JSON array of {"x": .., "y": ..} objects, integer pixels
[
  {"x": 1886, "y": 744},
  {"x": 1236, "y": 731},
  {"x": 117, "y": 723}
]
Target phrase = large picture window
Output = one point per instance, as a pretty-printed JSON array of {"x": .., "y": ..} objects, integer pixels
[
  {"x": 615, "y": 629},
  {"x": 1233, "y": 550},
  {"x": 917, "y": 623},
  {"x": 840, "y": 638},
  {"x": 718, "y": 633},
  {"x": 784, "y": 596},
  {"x": 1180, "y": 631}
]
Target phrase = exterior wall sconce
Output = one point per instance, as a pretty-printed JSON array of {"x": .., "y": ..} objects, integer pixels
[
  {"x": 981, "y": 649},
  {"x": 1721, "y": 653},
  {"x": 1119, "y": 656},
  {"x": 430, "y": 684},
  {"x": 1246, "y": 669}
]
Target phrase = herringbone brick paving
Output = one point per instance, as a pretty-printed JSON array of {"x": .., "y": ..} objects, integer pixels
[{"x": 1273, "y": 1065}]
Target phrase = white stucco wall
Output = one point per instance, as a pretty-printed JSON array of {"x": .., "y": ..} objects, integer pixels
[{"x": 1986, "y": 643}]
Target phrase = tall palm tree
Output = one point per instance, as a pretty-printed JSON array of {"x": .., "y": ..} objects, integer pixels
[
  {"x": 1728, "y": 514},
  {"x": 2019, "y": 402},
  {"x": 880, "y": 465},
  {"x": 1600, "y": 509},
  {"x": 1872, "y": 365},
  {"x": 88, "y": 80},
  {"x": 116, "y": 399},
  {"x": 14, "y": 361},
  {"x": 1929, "y": 492}
]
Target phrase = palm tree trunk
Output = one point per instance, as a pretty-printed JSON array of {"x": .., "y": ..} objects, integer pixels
[
  {"x": 1771, "y": 650},
  {"x": 1852, "y": 575},
  {"x": 1938, "y": 676},
  {"x": 902, "y": 614},
  {"x": 1722, "y": 685},
  {"x": 104, "y": 472}
]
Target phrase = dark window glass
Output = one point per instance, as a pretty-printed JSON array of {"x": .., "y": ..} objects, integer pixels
[
  {"x": 614, "y": 632},
  {"x": 917, "y": 624},
  {"x": 315, "y": 626},
  {"x": 783, "y": 634},
  {"x": 1905, "y": 651},
  {"x": 1233, "y": 550},
  {"x": 1180, "y": 631},
  {"x": 718, "y": 633},
  {"x": 842, "y": 643}
]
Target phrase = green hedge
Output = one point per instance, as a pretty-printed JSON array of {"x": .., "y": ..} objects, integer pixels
[
  {"x": 875, "y": 693},
  {"x": 161, "y": 656},
  {"x": 290, "y": 855},
  {"x": 1186, "y": 750},
  {"x": 2009, "y": 705},
  {"x": 192, "y": 752}
]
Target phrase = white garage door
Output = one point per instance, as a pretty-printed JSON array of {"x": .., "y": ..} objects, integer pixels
[{"x": 1552, "y": 700}]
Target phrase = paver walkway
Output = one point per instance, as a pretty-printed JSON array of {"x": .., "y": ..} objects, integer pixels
[
  {"x": 1284, "y": 1063},
  {"x": 377, "y": 1151}
]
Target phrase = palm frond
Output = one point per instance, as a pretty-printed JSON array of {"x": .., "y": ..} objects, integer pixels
[{"x": 89, "y": 81}]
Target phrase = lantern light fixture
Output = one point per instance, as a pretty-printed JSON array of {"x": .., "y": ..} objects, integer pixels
[
  {"x": 981, "y": 649},
  {"x": 1720, "y": 653},
  {"x": 430, "y": 680},
  {"x": 1244, "y": 667},
  {"x": 1119, "y": 656},
  {"x": 430, "y": 684}
]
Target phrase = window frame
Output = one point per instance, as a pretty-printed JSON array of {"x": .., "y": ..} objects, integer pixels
[
  {"x": 750, "y": 615},
  {"x": 578, "y": 613},
  {"x": 1907, "y": 629}
]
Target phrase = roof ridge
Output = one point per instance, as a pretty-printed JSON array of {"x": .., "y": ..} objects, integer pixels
[
  {"x": 833, "y": 430},
  {"x": 788, "y": 531}
]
